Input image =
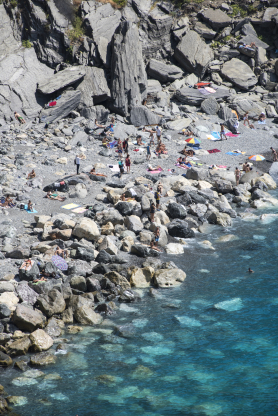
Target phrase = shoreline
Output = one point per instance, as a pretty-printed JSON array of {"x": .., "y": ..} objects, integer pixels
[{"x": 120, "y": 273}]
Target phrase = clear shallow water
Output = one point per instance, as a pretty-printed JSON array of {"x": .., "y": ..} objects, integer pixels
[{"x": 187, "y": 358}]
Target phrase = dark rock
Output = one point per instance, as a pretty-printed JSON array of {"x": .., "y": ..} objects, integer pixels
[
  {"x": 193, "y": 96},
  {"x": 163, "y": 72},
  {"x": 125, "y": 208},
  {"x": 223, "y": 186},
  {"x": 176, "y": 210},
  {"x": 126, "y": 296},
  {"x": 5, "y": 360},
  {"x": 210, "y": 106},
  {"x": 103, "y": 257},
  {"x": 239, "y": 73},
  {"x": 31, "y": 274},
  {"x": 184, "y": 199},
  {"x": 125, "y": 331},
  {"x": 180, "y": 228},
  {"x": 96, "y": 178},
  {"x": 5, "y": 312},
  {"x": 78, "y": 283},
  {"x": 67, "y": 103},
  {"x": 51, "y": 303},
  {"x": 116, "y": 184},
  {"x": 53, "y": 187},
  {"x": 85, "y": 254},
  {"x": 143, "y": 251},
  {"x": 93, "y": 284},
  {"x": 61, "y": 79},
  {"x": 216, "y": 18}
]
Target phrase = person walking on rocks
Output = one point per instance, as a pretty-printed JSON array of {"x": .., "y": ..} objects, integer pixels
[
  {"x": 274, "y": 154},
  {"x": 156, "y": 236},
  {"x": 77, "y": 163},
  {"x": 222, "y": 132},
  {"x": 237, "y": 175},
  {"x": 157, "y": 196},
  {"x": 127, "y": 163}
]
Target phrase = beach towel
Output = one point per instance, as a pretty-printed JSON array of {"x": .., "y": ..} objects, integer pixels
[
  {"x": 215, "y": 134},
  {"x": 112, "y": 144},
  {"x": 213, "y": 138},
  {"x": 261, "y": 122},
  {"x": 210, "y": 90},
  {"x": 214, "y": 151},
  {"x": 238, "y": 151},
  {"x": 70, "y": 206},
  {"x": 79, "y": 210},
  {"x": 30, "y": 212},
  {"x": 154, "y": 171},
  {"x": 182, "y": 166},
  {"x": 232, "y": 134},
  {"x": 203, "y": 91},
  {"x": 233, "y": 154}
]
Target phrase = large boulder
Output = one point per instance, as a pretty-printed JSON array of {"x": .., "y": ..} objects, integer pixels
[
  {"x": 180, "y": 228},
  {"x": 210, "y": 106},
  {"x": 5, "y": 360},
  {"x": 94, "y": 89},
  {"x": 40, "y": 340},
  {"x": 163, "y": 72},
  {"x": 86, "y": 228},
  {"x": 68, "y": 102},
  {"x": 51, "y": 303},
  {"x": 248, "y": 177},
  {"x": 26, "y": 294},
  {"x": 176, "y": 210},
  {"x": 133, "y": 223},
  {"x": 220, "y": 218},
  {"x": 18, "y": 87},
  {"x": 108, "y": 246},
  {"x": 142, "y": 116},
  {"x": 193, "y": 96},
  {"x": 9, "y": 299},
  {"x": 141, "y": 278},
  {"x": 27, "y": 319},
  {"x": 216, "y": 18},
  {"x": 118, "y": 279},
  {"x": 193, "y": 54},
  {"x": 87, "y": 316},
  {"x": 42, "y": 359},
  {"x": 128, "y": 75},
  {"x": 19, "y": 346},
  {"x": 239, "y": 73},
  {"x": 165, "y": 278},
  {"x": 61, "y": 79}
]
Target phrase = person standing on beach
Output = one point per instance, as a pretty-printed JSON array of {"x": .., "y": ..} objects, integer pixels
[
  {"x": 157, "y": 196},
  {"x": 245, "y": 119},
  {"x": 237, "y": 175},
  {"x": 274, "y": 154},
  {"x": 77, "y": 163},
  {"x": 222, "y": 132},
  {"x": 127, "y": 163},
  {"x": 148, "y": 152}
]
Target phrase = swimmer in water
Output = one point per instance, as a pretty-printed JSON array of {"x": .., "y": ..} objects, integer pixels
[{"x": 250, "y": 271}]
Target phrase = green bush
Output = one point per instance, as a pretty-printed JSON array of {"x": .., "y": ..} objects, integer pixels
[
  {"x": 238, "y": 9},
  {"x": 13, "y": 3},
  {"x": 27, "y": 44},
  {"x": 121, "y": 3},
  {"x": 77, "y": 32}
]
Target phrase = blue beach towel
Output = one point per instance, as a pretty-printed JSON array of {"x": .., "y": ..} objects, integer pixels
[
  {"x": 261, "y": 122},
  {"x": 233, "y": 154},
  {"x": 215, "y": 134},
  {"x": 30, "y": 212}
]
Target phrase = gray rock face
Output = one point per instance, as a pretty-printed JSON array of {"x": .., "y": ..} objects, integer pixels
[
  {"x": 142, "y": 116},
  {"x": 193, "y": 96},
  {"x": 94, "y": 89},
  {"x": 128, "y": 75},
  {"x": 216, "y": 18},
  {"x": 27, "y": 319},
  {"x": 26, "y": 294},
  {"x": 19, "y": 74},
  {"x": 180, "y": 228},
  {"x": 163, "y": 72},
  {"x": 204, "y": 30},
  {"x": 210, "y": 106},
  {"x": 8, "y": 43},
  {"x": 176, "y": 210},
  {"x": 239, "y": 73},
  {"x": 101, "y": 21},
  {"x": 51, "y": 303},
  {"x": 193, "y": 54},
  {"x": 67, "y": 103},
  {"x": 155, "y": 32},
  {"x": 61, "y": 80},
  {"x": 242, "y": 105}
]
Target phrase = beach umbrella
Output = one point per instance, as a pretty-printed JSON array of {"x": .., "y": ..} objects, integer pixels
[
  {"x": 60, "y": 263},
  {"x": 256, "y": 157},
  {"x": 192, "y": 140}
]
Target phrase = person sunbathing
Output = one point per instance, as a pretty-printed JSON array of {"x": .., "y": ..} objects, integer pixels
[
  {"x": 187, "y": 132},
  {"x": 139, "y": 141},
  {"x": 149, "y": 131},
  {"x": 19, "y": 118},
  {"x": 30, "y": 206},
  {"x": 152, "y": 168},
  {"x": 53, "y": 195},
  {"x": 179, "y": 161},
  {"x": 186, "y": 162},
  {"x": 93, "y": 172},
  {"x": 8, "y": 202},
  {"x": 262, "y": 117},
  {"x": 60, "y": 252},
  {"x": 153, "y": 246},
  {"x": 99, "y": 125},
  {"x": 31, "y": 175}
]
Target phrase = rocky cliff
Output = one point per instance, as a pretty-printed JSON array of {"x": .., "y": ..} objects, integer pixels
[{"x": 143, "y": 51}]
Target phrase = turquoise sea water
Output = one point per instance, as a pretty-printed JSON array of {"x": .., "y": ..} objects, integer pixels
[{"x": 186, "y": 357}]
